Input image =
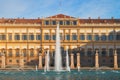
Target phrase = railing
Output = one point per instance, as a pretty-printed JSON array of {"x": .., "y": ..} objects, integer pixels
[
  {"x": 29, "y": 24},
  {"x": 100, "y": 24}
]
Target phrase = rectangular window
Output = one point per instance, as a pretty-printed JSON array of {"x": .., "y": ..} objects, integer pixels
[
  {"x": 53, "y": 22},
  {"x": 17, "y": 61},
  {"x": 61, "y": 22},
  {"x": 82, "y": 37},
  {"x": 96, "y": 37},
  {"x": 46, "y": 37},
  {"x": 10, "y": 61},
  {"x": 17, "y": 37},
  {"x": 74, "y": 22},
  {"x": 47, "y": 23},
  {"x": 38, "y": 37},
  {"x": 3, "y": 36},
  {"x": 9, "y": 36},
  {"x": 74, "y": 37},
  {"x": 24, "y": 37},
  {"x": 67, "y": 22},
  {"x": 67, "y": 37},
  {"x": 89, "y": 37},
  {"x": 53, "y": 37},
  {"x": 31, "y": 37}
]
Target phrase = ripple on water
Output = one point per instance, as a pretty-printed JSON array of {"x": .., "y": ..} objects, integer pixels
[
  {"x": 43, "y": 73},
  {"x": 103, "y": 72},
  {"x": 73, "y": 75}
]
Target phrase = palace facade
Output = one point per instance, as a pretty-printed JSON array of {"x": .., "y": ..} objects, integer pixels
[{"x": 31, "y": 37}]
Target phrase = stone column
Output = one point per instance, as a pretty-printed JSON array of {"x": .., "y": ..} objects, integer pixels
[
  {"x": 72, "y": 61},
  {"x": 40, "y": 61},
  {"x": 115, "y": 60},
  {"x": 78, "y": 59},
  {"x": 46, "y": 60},
  {"x": 21, "y": 60},
  {"x": 96, "y": 60},
  {"x": 3, "y": 61}
]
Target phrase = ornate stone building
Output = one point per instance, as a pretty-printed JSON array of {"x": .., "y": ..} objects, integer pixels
[{"x": 26, "y": 38}]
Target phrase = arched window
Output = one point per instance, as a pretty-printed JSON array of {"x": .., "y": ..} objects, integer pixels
[
  {"x": 118, "y": 51},
  {"x": 118, "y": 36},
  {"x": 111, "y": 52},
  {"x": 38, "y": 51},
  {"x": 31, "y": 53},
  {"x": 96, "y": 49},
  {"x": 110, "y": 37},
  {"x": 103, "y": 37},
  {"x": 10, "y": 52},
  {"x": 96, "y": 37},
  {"x": 104, "y": 52},
  {"x": 17, "y": 52},
  {"x": 89, "y": 52},
  {"x": 82, "y": 52},
  {"x": 24, "y": 52}
]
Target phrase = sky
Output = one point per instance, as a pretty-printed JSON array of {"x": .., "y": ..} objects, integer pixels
[{"x": 45, "y": 8}]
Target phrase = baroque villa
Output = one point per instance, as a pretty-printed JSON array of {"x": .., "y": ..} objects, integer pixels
[{"x": 96, "y": 42}]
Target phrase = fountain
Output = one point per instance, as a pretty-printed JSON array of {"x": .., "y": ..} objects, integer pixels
[
  {"x": 36, "y": 68},
  {"x": 78, "y": 68},
  {"x": 67, "y": 61},
  {"x": 58, "y": 62}
]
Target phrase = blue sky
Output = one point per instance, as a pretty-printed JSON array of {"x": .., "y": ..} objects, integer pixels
[{"x": 45, "y": 8}]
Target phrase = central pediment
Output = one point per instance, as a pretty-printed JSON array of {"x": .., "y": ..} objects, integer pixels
[{"x": 60, "y": 16}]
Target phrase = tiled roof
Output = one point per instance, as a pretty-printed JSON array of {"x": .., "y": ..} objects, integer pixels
[
  {"x": 58, "y": 16},
  {"x": 18, "y": 20}
]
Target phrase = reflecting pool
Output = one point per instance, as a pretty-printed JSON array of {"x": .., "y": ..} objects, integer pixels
[{"x": 51, "y": 75}]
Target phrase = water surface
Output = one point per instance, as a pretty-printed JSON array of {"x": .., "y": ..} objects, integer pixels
[{"x": 51, "y": 75}]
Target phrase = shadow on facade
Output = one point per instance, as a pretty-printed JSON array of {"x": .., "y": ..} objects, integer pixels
[{"x": 87, "y": 55}]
